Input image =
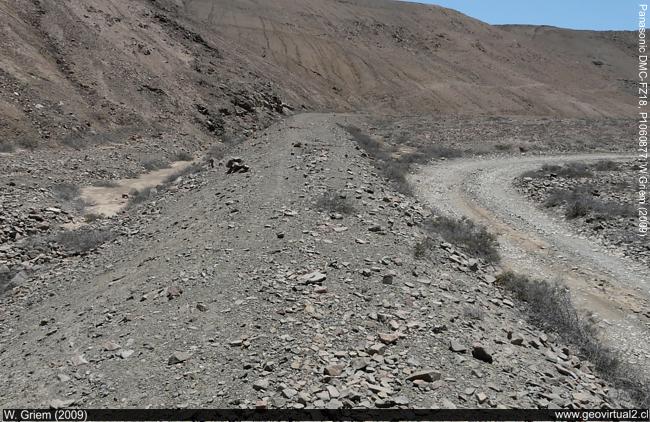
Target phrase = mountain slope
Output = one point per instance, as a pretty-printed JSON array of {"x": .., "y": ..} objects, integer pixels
[
  {"x": 74, "y": 70},
  {"x": 414, "y": 58}
]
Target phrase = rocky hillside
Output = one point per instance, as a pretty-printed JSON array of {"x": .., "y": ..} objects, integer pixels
[
  {"x": 293, "y": 284},
  {"x": 85, "y": 72}
]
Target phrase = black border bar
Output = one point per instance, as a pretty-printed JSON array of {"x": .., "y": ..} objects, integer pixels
[{"x": 144, "y": 415}]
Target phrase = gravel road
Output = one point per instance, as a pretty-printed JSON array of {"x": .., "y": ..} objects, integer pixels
[{"x": 612, "y": 286}]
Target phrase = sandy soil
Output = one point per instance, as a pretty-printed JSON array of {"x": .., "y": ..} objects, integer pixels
[{"x": 108, "y": 201}]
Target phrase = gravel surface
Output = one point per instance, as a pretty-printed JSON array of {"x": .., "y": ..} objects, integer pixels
[
  {"x": 598, "y": 200},
  {"x": 247, "y": 290},
  {"x": 615, "y": 288}
]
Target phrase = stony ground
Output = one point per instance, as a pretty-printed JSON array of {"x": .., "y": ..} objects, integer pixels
[
  {"x": 247, "y": 289},
  {"x": 291, "y": 282},
  {"x": 603, "y": 282},
  {"x": 598, "y": 199}
]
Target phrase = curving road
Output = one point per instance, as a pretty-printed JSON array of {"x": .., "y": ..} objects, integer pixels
[{"x": 614, "y": 288}]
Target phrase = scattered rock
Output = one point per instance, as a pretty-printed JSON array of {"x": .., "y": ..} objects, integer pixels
[
  {"x": 236, "y": 165},
  {"x": 456, "y": 346},
  {"x": 334, "y": 370},
  {"x": 61, "y": 404},
  {"x": 173, "y": 292},
  {"x": 313, "y": 278},
  {"x": 178, "y": 357},
  {"x": 125, "y": 354},
  {"x": 111, "y": 346},
  {"x": 482, "y": 353},
  {"x": 388, "y": 338},
  {"x": 78, "y": 360},
  {"x": 261, "y": 384},
  {"x": 481, "y": 397},
  {"x": 428, "y": 375},
  {"x": 517, "y": 339}
]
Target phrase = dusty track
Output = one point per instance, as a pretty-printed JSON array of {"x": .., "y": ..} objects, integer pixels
[{"x": 614, "y": 288}]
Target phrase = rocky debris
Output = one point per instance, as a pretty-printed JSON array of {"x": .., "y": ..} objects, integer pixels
[
  {"x": 111, "y": 346},
  {"x": 78, "y": 360},
  {"x": 262, "y": 384},
  {"x": 388, "y": 278},
  {"x": 236, "y": 165},
  {"x": 388, "y": 338},
  {"x": 456, "y": 346},
  {"x": 302, "y": 321},
  {"x": 172, "y": 292},
  {"x": 516, "y": 339},
  {"x": 126, "y": 353},
  {"x": 428, "y": 375},
  {"x": 603, "y": 212},
  {"x": 334, "y": 370},
  {"x": 482, "y": 353},
  {"x": 178, "y": 357},
  {"x": 315, "y": 277},
  {"x": 61, "y": 404}
]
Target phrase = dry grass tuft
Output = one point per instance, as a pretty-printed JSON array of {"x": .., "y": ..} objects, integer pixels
[{"x": 549, "y": 306}]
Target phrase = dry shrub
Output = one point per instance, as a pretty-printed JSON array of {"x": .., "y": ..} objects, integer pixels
[
  {"x": 65, "y": 191},
  {"x": 82, "y": 240},
  {"x": 332, "y": 201},
  {"x": 182, "y": 156},
  {"x": 155, "y": 164},
  {"x": 139, "y": 196},
  {"x": 396, "y": 169},
  {"x": 579, "y": 202},
  {"x": 550, "y": 307},
  {"x": 474, "y": 238},
  {"x": 6, "y": 146}
]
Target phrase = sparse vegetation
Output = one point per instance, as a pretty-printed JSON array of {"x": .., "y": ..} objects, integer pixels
[
  {"x": 139, "y": 196},
  {"x": 396, "y": 169},
  {"x": 29, "y": 143},
  {"x": 580, "y": 202},
  {"x": 606, "y": 165},
  {"x": 549, "y": 306},
  {"x": 6, "y": 146},
  {"x": 183, "y": 156},
  {"x": 155, "y": 164},
  {"x": 74, "y": 141},
  {"x": 502, "y": 147},
  {"x": 569, "y": 171},
  {"x": 232, "y": 139},
  {"x": 473, "y": 312},
  {"x": 391, "y": 168},
  {"x": 82, "y": 240},
  {"x": 368, "y": 144},
  {"x": 427, "y": 152},
  {"x": 191, "y": 169},
  {"x": 91, "y": 217},
  {"x": 5, "y": 282},
  {"x": 332, "y": 201},
  {"x": 473, "y": 238},
  {"x": 105, "y": 183},
  {"x": 216, "y": 151},
  {"x": 423, "y": 247},
  {"x": 90, "y": 138},
  {"x": 65, "y": 191}
]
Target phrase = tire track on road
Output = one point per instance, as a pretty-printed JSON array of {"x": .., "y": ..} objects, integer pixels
[{"x": 614, "y": 288}]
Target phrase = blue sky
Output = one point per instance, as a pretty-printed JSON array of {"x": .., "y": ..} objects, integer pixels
[{"x": 575, "y": 14}]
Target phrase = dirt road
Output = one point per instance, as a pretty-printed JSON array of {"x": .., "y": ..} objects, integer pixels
[{"x": 613, "y": 287}]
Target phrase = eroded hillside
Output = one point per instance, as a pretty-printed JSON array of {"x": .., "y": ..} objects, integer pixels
[{"x": 79, "y": 72}]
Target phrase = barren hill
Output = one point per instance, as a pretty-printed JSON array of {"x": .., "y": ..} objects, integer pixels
[{"x": 77, "y": 70}]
